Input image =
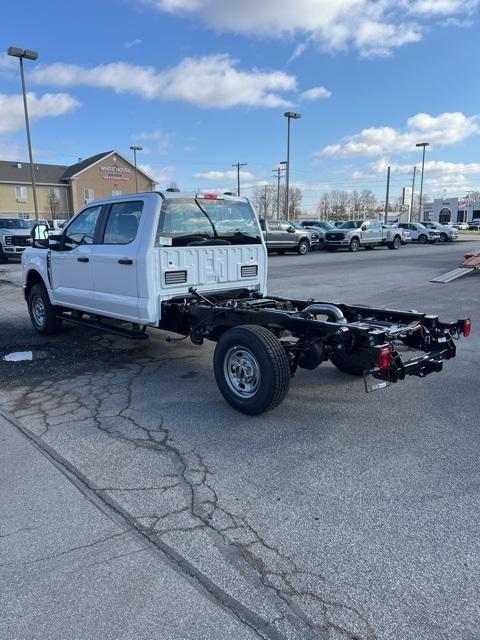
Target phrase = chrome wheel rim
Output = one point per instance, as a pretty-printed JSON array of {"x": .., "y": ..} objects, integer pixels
[
  {"x": 39, "y": 311},
  {"x": 242, "y": 372}
]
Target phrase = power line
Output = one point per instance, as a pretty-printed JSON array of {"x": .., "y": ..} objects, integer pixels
[{"x": 238, "y": 165}]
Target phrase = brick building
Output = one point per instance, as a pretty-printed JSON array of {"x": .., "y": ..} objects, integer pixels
[{"x": 62, "y": 190}]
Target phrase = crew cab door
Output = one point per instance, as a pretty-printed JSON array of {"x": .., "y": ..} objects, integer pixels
[
  {"x": 114, "y": 261},
  {"x": 376, "y": 232},
  {"x": 71, "y": 266}
]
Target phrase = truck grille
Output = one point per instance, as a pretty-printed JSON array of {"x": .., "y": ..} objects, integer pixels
[
  {"x": 21, "y": 241},
  {"x": 175, "y": 277},
  {"x": 335, "y": 236},
  {"x": 249, "y": 270}
]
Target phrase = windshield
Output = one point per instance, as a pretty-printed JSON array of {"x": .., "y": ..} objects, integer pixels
[
  {"x": 352, "y": 224},
  {"x": 191, "y": 222},
  {"x": 13, "y": 223}
]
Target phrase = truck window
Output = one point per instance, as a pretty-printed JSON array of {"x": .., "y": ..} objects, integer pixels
[
  {"x": 82, "y": 228},
  {"x": 122, "y": 223},
  {"x": 190, "y": 220}
]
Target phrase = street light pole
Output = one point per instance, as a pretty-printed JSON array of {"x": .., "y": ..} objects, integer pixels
[
  {"x": 385, "y": 220},
  {"x": 238, "y": 165},
  {"x": 135, "y": 148},
  {"x": 424, "y": 145},
  {"x": 290, "y": 115},
  {"x": 29, "y": 55}
]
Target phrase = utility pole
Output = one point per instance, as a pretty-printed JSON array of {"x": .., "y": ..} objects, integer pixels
[
  {"x": 410, "y": 213},
  {"x": 387, "y": 196},
  {"x": 265, "y": 186},
  {"x": 277, "y": 172},
  {"x": 238, "y": 165}
]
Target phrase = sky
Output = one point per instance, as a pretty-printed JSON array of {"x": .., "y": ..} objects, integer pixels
[{"x": 203, "y": 84}]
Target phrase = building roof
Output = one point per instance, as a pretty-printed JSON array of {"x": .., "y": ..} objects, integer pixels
[
  {"x": 20, "y": 172},
  {"x": 52, "y": 173},
  {"x": 84, "y": 164}
]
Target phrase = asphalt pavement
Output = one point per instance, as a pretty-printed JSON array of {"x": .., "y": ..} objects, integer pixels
[{"x": 136, "y": 504}]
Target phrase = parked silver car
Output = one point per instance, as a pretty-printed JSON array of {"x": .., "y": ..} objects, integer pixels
[
  {"x": 447, "y": 234},
  {"x": 420, "y": 233}
]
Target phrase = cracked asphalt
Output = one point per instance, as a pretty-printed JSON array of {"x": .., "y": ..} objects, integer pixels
[{"x": 137, "y": 504}]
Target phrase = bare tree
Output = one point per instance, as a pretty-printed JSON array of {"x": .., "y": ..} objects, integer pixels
[
  {"x": 264, "y": 200},
  {"x": 53, "y": 202}
]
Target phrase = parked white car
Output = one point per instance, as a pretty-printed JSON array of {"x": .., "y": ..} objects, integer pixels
[
  {"x": 419, "y": 233},
  {"x": 447, "y": 234}
]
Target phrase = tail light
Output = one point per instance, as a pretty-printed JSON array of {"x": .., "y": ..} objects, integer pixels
[
  {"x": 209, "y": 196},
  {"x": 467, "y": 326},
  {"x": 384, "y": 356}
]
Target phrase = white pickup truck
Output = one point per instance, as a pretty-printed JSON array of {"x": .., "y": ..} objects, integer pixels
[
  {"x": 14, "y": 238},
  {"x": 196, "y": 265}
]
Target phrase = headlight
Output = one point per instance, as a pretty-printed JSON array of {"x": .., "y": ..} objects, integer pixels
[{"x": 8, "y": 240}]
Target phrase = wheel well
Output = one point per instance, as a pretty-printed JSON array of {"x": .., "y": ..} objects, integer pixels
[{"x": 33, "y": 278}]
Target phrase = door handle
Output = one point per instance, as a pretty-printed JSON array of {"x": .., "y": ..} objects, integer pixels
[
  {"x": 83, "y": 259},
  {"x": 125, "y": 261}
]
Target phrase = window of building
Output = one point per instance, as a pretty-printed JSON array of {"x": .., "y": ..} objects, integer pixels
[
  {"x": 21, "y": 194},
  {"x": 82, "y": 229},
  {"x": 122, "y": 223},
  {"x": 116, "y": 192},
  {"x": 89, "y": 195},
  {"x": 54, "y": 192}
]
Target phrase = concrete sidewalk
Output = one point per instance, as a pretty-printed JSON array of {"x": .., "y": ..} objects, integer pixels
[{"x": 69, "y": 571}]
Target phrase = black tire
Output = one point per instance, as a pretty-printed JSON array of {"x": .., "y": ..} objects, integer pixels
[
  {"x": 331, "y": 249},
  {"x": 303, "y": 248},
  {"x": 3, "y": 257},
  {"x": 443, "y": 237},
  {"x": 422, "y": 239},
  {"x": 354, "y": 245},
  {"x": 281, "y": 252},
  {"x": 255, "y": 349},
  {"x": 42, "y": 313},
  {"x": 346, "y": 363},
  {"x": 395, "y": 244}
]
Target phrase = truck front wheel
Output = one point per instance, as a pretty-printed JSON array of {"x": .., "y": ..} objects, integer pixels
[
  {"x": 303, "y": 248},
  {"x": 3, "y": 257},
  {"x": 354, "y": 244},
  {"x": 252, "y": 369},
  {"x": 42, "y": 313}
]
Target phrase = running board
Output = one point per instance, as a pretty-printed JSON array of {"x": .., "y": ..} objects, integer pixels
[
  {"x": 452, "y": 275},
  {"x": 109, "y": 328}
]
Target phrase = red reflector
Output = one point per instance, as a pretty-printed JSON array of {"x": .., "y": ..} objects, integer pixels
[
  {"x": 384, "y": 356},
  {"x": 467, "y": 326}
]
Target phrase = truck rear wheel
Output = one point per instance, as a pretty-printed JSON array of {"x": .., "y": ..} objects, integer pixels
[
  {"x": 396, "y": 243},
  {"x": 347, "y": 363},
  {"x": 252, "y": 369},
  {"x": 42, "y": 313}
]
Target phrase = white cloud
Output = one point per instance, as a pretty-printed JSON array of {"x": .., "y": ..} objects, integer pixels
[
  {"x": 315, "y": 93},
  {"x": 47, "y": 105},
  {"x": 8, "y": 65},
  {"x": 373, "y": 27},
  {"x": 210, "y": 81},
  {"x": 431, "y": 166},
  {"x": 157, "y": 141},
  {"x": 162, "y": 175},
  {"x": 223, "y": 175},
  {"x": 132, "y": 43},
  {"x": 444, "y": 129}
]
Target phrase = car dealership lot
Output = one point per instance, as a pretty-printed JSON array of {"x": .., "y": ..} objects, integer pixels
[{"x": 338, "y": 515}]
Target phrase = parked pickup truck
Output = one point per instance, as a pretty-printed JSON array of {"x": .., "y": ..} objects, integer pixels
[
  {"x": 282, "y": 236},
  {"x": 14, "y": 238},
  {"x": 363, "y": 233},
  {"x": 196, "y": 265}
]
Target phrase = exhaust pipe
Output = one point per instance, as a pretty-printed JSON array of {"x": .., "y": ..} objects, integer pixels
[{"x": 329, "y": 310}]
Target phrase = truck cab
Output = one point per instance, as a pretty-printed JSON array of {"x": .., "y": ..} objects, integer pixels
[{"x": 123, "y": 256}]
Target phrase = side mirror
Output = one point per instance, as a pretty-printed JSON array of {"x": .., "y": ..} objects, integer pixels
[
  {"x": 291, "y": 229},
  {"x": 40, "y": 236},
  {"x": 364, "y": 227}
]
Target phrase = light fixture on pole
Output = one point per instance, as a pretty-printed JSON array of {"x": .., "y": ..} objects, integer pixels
[
  {"x": 135, "y": 148},
  {"x": 28, "y": 55},
  {"x": 424, "y": 145},
  {"x": 290, "y": 115}
]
